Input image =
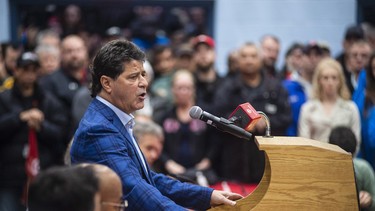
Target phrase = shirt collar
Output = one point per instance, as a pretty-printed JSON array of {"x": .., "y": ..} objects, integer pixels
[{"x": 126, "y": 119}]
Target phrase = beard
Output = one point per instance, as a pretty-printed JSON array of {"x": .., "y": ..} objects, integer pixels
[
  {"x": 204, "y": 67},
  {"x": 269, "y": 63},
  {"x": 74, "y": 65}
]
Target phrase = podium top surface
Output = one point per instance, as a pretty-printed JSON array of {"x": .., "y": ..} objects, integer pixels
[{"x": 264, "y": 142}]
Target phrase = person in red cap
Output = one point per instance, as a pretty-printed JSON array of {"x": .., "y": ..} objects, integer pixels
[
  {"x": 204, "y": 39},
  {"x": 207, "y": 79}
]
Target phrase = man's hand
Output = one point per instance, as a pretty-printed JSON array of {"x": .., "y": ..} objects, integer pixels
[
  {"x": 224, "y": 197},
  {"x": 34, "y": 118},
  {"x": 259, "y": 127},
  {"x": 204, "y": 164},
  {"x": 365, "y": 199}
]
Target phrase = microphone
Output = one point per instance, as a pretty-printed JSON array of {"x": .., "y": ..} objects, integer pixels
[{"x": 220, "y": 123}]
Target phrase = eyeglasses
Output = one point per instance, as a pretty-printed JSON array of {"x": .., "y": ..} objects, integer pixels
[
  {"x": 360, "y": 55},
  {"x": 121, "y": 206}
]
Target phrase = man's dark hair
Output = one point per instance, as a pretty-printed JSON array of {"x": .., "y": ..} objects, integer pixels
[
  {"x": 354, "y": 33},
  {"x": 312, "y": 47},
  {"x": 293, "y": 47},
  {"x": 343, "y": 137},
  {"x": 110, "y": 61},
  {"x": 6, "y": 45},
  {"x": 63, "y": 188},
  {"x": 157, "y": 50}
]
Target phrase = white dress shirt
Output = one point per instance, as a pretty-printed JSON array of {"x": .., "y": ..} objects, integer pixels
[{"x": 128, "y": 122}]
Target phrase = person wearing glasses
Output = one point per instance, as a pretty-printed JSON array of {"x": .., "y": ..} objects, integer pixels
[
  {"x": 104, "y": 135},
  {"x": 109, "y": 187},
  {"x": 359, "y": 54}
]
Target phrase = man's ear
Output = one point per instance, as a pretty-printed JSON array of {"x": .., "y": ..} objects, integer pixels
[{"x": 106, "y": 83}]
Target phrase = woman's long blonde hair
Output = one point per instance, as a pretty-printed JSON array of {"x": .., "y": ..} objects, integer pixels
[{"x": 343, "y": 91}]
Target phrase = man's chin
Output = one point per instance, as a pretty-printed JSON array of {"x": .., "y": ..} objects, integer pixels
[{"x": 139, "y": 106}]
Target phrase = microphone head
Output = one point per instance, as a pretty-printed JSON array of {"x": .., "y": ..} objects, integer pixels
[{"x": 195, "y": 112}]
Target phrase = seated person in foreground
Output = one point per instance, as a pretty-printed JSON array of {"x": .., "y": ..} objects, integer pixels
[{"x": 365, "y": 179}]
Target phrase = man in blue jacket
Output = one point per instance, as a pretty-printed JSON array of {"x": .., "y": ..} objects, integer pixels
[{"x": 105, "y": 135}]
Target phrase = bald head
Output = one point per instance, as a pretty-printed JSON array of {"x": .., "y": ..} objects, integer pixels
[
  {"x": 110, "y": 186},
  {"x": 109, "y": 183}
]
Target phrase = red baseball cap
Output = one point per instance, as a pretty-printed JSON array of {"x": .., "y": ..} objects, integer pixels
[{"x": 203, "y": 39}]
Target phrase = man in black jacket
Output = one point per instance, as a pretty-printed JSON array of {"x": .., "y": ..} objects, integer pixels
[
  {"x": 31, "y": 123},
  {"x": 66, "y": 81},
  {"x": 240, "y": 160}
]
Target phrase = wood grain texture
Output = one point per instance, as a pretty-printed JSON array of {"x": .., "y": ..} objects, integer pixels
[{"x": 302, "y": 174}]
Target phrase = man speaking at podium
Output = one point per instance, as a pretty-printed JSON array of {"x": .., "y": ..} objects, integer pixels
[{"x": 105, "y": 135}]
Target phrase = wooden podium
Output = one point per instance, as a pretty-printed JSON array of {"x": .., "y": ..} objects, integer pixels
[{"x": 302, "y": 174}]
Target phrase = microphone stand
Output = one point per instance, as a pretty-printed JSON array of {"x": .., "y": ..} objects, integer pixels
[{"x": 268, "y": 124}]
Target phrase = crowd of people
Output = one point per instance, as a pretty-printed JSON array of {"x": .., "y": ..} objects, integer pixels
[{"x": 55, "y": 87}]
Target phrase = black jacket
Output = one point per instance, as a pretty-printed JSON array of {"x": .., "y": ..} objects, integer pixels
[
  {"x": 14, "y": 133},
  {"x": 240, "y": 159},
  {"x": 63, "y": 87}
]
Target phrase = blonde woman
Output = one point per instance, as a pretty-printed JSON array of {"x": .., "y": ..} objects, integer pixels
[{"x": 330, "y": 105}]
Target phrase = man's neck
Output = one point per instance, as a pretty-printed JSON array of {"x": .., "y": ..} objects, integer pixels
[
  {"x": 307, "y": 76},
  {"x": 27, "y": 91},
  {"x": 182, "y": 112},
  {"x": 329, "y": 99},
  {"x": 75, "y": 73},
  {"x": 252, "y": 80}
]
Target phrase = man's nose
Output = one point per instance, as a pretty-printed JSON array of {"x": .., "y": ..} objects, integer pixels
[
  {"x": 153, "y": 154},
  {"x": 144, "y": 81}
]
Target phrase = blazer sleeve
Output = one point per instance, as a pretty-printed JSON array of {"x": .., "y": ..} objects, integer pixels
[
  {"x": 185, "y": 194},
  {"x": 106, "y": 145}
]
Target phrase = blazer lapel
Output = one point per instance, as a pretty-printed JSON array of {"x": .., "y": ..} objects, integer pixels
[
  {"x": 111, "y": 116},
  {"x": 128, "y": 138}
]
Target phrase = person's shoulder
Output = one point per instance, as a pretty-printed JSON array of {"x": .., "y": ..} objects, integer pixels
[
  {"x": 290, "y": 83},
  {"x": 293, "y": 86},
  {"x": 5, "y": 97},
  {"x": 348, "y": 104},
  {"x": 83, "y": 92},
  {"x": 233, "y": 81},
  {"x": 95, "y": 117},
  {"x": 6, "y": 93},
  {"x": 54, "y": 75},
  {"x": 363, "y": 164},
  {"x": 51, "y": 98},
  {"x": 311, "y": 104},
  {"x": 53, "y": 78},
  {"x": 361, "y": 161},
  {"x": 272, "y": 83}
]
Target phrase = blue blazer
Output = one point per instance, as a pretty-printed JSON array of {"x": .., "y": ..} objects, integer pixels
[{"x": 102, "y": 138}]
